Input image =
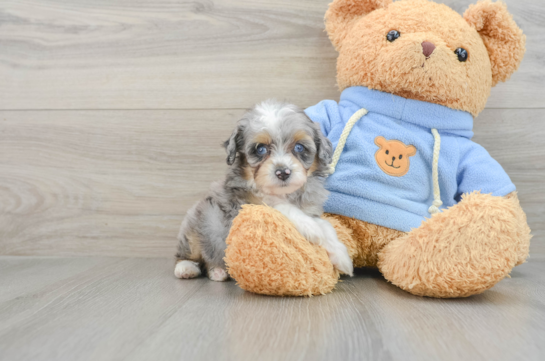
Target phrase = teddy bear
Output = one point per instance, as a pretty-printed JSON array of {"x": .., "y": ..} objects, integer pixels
[{"x": 410, "y": 193}]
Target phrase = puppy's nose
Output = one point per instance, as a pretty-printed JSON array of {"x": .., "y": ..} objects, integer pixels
[
  {"x": 427, "y": 48},
  {"x": 283, "y": 174}
]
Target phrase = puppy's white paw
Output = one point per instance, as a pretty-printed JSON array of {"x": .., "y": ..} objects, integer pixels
[
  {"x": 217, "y": 274},
  {"x": 341, "y": 260},
  {"x": 187, "y": 269},
  {"x": 336, "y": 250},
  {"x": 310, "y": 230},
  {"x": 307, "y": 226}
]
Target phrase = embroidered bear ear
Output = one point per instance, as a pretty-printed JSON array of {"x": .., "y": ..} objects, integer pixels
[
  {"x": 380, "y": 141},
  {"x": 503, "y": 39},
  {"x": 342, "y": 14},
  {"x": 411, "y": 150}
]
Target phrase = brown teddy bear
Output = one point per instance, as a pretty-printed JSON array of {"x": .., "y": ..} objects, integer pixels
[{"x": 410, "y": 192}]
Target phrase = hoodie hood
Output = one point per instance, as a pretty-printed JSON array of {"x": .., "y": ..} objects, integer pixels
[{"x": 424, "y": 114}]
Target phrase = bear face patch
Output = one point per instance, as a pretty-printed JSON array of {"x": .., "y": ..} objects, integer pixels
[{"x": 393, "y": 156}]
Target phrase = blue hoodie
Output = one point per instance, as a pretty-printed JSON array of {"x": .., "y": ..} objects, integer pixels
[{"x": 362, "y": 189}]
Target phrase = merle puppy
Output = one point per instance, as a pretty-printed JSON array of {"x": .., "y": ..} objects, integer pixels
[{"x": 278, "y": 157}]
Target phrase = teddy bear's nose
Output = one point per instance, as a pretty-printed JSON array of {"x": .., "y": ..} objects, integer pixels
[{"x": 427, "y": 48}]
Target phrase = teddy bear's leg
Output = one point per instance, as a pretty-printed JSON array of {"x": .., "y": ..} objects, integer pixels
[
  {"x": 461, "y": 251},
  {"x": 363, "y": 240},
  {"x": 266, "y": 255}
]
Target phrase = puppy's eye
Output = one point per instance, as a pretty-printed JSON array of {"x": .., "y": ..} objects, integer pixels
[
  {"x": 387, "y": 152},
  {"x": 392, "y": 35},
  {"x": 400, "y": 156},
  {"x": 298, "y": 148},
  {"x": 261, "y": 149},
  {"x": 461, "y": 53}
]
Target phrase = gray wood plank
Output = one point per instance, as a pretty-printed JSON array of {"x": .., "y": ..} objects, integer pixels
[
  {"x": 135, "y": 309},
  {"x": 99, "y": 314},
  {"x": 118, "y": 183},
  {"x": 185, "y": 54},
  {"x": 514, "y": 137},
  {"x": 34, "y": 274}
]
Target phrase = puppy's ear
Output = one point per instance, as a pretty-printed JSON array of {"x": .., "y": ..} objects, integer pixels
[
  {"x": 503, "y": 39},
  {"x": 324, "y": 148},
  {"x": 233, "y": 144}
]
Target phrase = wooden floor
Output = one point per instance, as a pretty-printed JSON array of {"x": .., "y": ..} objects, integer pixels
[
  {"x": 135, "y": 309},
  {"x": 112, "y": 113}
]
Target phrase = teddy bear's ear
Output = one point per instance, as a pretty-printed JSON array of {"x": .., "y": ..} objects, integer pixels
[
  {"x": 380, "y": 141},
  {"x": 411, "y": 150},
  {"x": 503, "y": 39},
  {"x": 342, "y": 14}
]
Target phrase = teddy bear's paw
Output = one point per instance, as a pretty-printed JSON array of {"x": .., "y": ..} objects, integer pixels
[
  {"x": 524, "y": 232},
  {"x": 267, "y": 255},
  {"x": 462, "y": 251}
]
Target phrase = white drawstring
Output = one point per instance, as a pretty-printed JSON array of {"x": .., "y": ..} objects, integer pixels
[
  {"x": 342, "y": 140},
  {"x": 434, "y": 208}
]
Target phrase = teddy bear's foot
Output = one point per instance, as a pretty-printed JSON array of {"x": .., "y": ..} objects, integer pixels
[
  {"x": 462, "y": 251},
  {"x": 267, "y": 255}
]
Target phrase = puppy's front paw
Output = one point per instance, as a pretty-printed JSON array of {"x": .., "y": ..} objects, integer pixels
[
  {"x": 306, "y": 225},
  {"x": 217, "y": 274},
  {"x": 341, "y": 260},
  {"x": 187, "y": 269},
  {"x": 337, "y": 251},
  {"x": 310, "y": 231}
]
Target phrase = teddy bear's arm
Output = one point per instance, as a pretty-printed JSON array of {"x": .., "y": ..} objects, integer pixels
[{"x": 478, "y": 171}]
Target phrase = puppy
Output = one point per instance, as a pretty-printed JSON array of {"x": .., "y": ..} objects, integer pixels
[{"x": 278, "y": 157}]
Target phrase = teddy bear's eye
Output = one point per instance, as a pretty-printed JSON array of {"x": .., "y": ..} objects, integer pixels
[
  {"x": 461, "y": 53},
  {"x": 400, "y": 156},
  {"x": 387, "y": 152},
  {"x": 392, "y": 35}
]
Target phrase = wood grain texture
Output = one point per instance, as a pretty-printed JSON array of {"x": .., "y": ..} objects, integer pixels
[
  {"x": 105, "y": 182},
  {"x": 123, "y": 308},
  {"x": 182, "y": 54},
  {"x": 118, "y": 183},
  {"x": 514, "y": 137}
]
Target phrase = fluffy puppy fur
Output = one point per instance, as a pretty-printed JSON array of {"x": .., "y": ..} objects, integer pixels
[{"x": 278, "y": 157}]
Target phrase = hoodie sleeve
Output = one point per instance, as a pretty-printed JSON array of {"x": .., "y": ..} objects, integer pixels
[
  {"x": 326, "y": 113},
  {"x": 478, "y": 171}
]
